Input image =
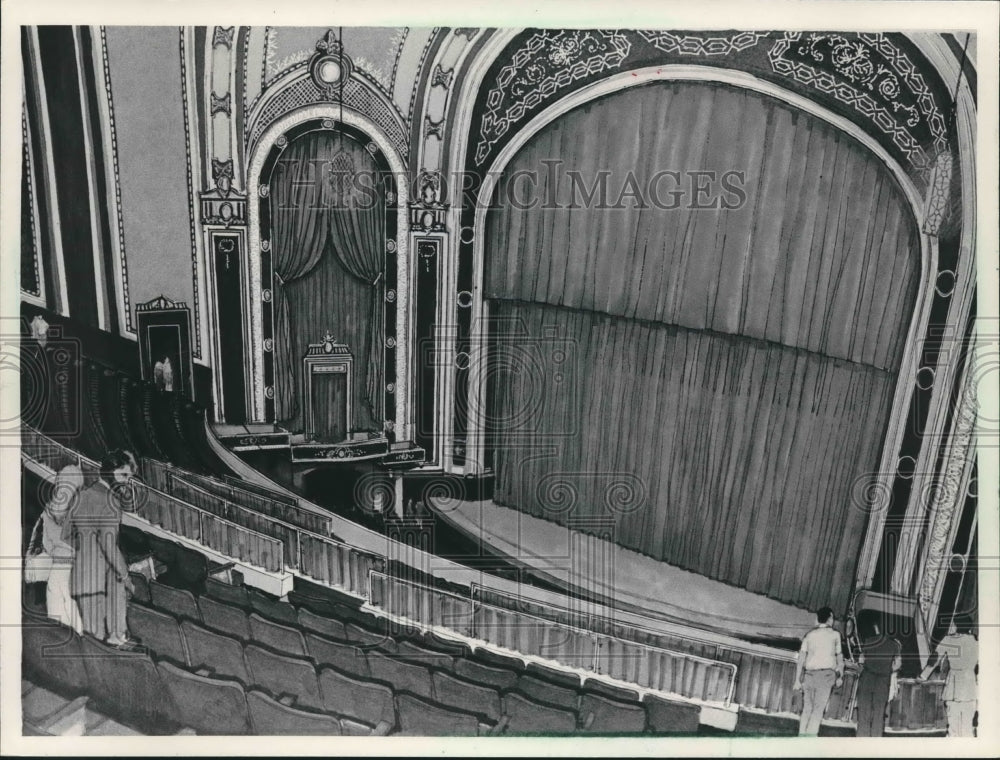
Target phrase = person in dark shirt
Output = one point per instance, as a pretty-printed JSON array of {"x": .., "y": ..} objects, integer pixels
[{"x": 880, "y": 659}]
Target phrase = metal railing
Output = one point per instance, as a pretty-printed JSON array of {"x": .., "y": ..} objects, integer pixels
[{"x": 649, "y": 667}]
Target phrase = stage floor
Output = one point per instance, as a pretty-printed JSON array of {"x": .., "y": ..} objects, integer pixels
[{"x": 624, "y": 578}]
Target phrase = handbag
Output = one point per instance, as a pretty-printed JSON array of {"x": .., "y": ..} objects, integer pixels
[{"x": 37, "y": 562}]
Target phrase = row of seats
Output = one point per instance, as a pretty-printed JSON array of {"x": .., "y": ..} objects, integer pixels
[
  {"x": 93, "y": 408},
  {"x": 350, "y": 666}
]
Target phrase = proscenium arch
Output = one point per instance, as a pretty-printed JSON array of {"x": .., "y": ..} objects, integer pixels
[
  {"x": 478, "y": 368},
  {"x": 258, "y": 158}
]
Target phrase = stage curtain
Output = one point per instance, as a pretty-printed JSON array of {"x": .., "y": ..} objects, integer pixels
[
  {"x": 328, "y": 243},
  {"x": 734, "y": 367},
  {"x": 822, "y": 255},
  {"x": 738, "y": 459}
]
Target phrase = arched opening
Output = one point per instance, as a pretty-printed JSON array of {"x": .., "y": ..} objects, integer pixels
[
  {"x": 327, "y": 224},
  {"x": 739, "y": 272}
]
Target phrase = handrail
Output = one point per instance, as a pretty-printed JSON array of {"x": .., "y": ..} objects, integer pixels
[
  {"x": 597, "y": 640},
  {"x": 87, "y": 464}
]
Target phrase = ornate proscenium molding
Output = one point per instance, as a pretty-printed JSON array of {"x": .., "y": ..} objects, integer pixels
[
  {"x": 548, "y": 61},
  {"x": 695, "y": 44},
  {"x": 876, "y": 80},
  {"x": 936, "y": 209},
  {"x": 947, "y": 495},
  {"x": 873, "y": 76}
]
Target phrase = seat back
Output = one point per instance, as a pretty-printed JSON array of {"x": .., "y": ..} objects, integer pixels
[
  {"x": 528, "y": 717},
  {"x": 325, "y": 626},
  {"x": 221, "y": 654},
  {"x": 497, "y": 660},
  {"x": 421, "y": 717},
  {"x": 221, "y": 617},
  {"x": 499, "y": 678},
  {"x": 235, "y": 596},
  {"x": 280, "y": 675},
  {"x": 50, "y": 655},
  {"x": 602, "y": 715},
  {"x": 268, "y": 717},
  {"x": 281, "y": 638},
  {"x": 126, "y": 684},
  {"x": 357, "y": 698},
  {"x": 545, "y": 691},
  {"x": 405, "y": 676},
  {"x": 414, "y": 651},
  {"x": 272, "y": 609},
  {"x": 208, "y": 705},
  {"x": 665, "y": 716},
  {"x": 611, "y": 691},
  {"x": 158, "y": 631},
  {"x": 343, "y": 656},
  {"x": 369, "y": 639},
  {"x": 179, "y": 602},
  {"x": 457, "y": 692}
]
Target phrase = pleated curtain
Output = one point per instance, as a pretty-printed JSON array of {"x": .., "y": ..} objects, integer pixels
[
  {"x": 328, "y": 243},
  {"x": 738, "y": 365}
]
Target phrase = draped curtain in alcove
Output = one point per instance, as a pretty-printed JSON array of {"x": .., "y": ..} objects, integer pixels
[
  {"x": 737, "y": 365},
  {"x": 328, "y": 243}
]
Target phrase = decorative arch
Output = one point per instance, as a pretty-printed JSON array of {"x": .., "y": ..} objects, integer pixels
[
  {"x": 328, "y": 116},
  {"x": 471, "y": 251}
]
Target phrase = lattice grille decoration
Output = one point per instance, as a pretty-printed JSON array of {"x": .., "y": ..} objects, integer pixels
[{"x": 305, "y": 92}]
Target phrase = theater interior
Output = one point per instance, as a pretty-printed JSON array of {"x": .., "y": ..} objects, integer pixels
[{"x": 642, "y": 347}]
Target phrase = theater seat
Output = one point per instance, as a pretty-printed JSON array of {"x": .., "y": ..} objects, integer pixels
[
  {"x": 527, "y": 717},
  {"x": 547, "y": 692},
  {"x": 497, "y": 660},
  {"x": 443, "y": 644},
  {"x": 180, "y": 603},
  {"x": 50, "y": 653},
  {"x": 208, "y": 705},
  {"x": 269, "y": 717},
  {"x": 359, "y": 699},
  {"x": 611, "y": 691},
  {"x": 225, "y": 619},
  {"x": 235, "y": 596},
  {"x": 600, "y": 715},
  {"x": 411, "y": 650},
  {"x": 272, "y": 609},
  {"x": 369, "y": 639},
  {"x": 328, "y": 627},
  {"x": 406, "y": 676},
  {"x": 421, "y": 717},
  {"x": 281, "y": 638},
  {"x": 666, "y": 716},
  {"x": 126, "y": 685},
  {"x": 499, "y": 678},
  {"x": 158, "y": 631},
  {"x": 282, "y": 675},
  {"x": 457, "y": 692},
  {"x": 552, "y": 675},
  {"x": 221, "y": 654},
  {"x": 341, "y": 655}
]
